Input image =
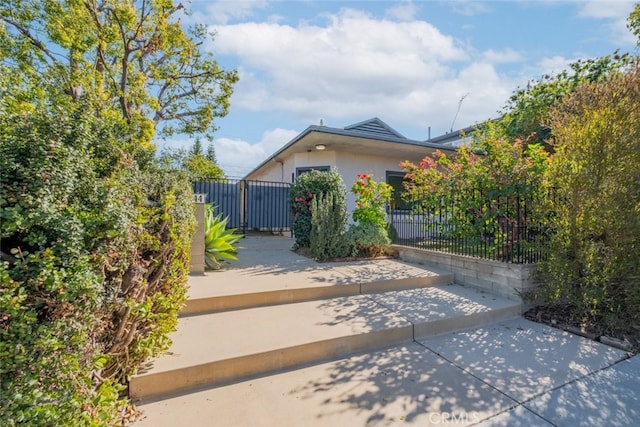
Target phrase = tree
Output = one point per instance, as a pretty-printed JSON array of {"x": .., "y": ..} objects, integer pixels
[
  {"x": 197, "y": 166},
  {"x": 196, "y": 148},
  {"x": 130, "y": 58},
  {"x": 593, "y": 268},
  {"x": 526, "y": 113},
  {"x": 211, "y": 153}
]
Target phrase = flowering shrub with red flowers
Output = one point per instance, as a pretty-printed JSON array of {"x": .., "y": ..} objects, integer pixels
[
  {"x": 371, "y": 199},
  {"x": 481, "y": 190}
]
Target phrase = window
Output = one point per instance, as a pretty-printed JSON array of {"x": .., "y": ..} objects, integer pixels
[
  {"x": 396, "y": 181},
  {"x": 300, "y": 171}
]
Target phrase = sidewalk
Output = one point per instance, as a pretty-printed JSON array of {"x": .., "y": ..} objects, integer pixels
[{"x": 509, "y": 373}]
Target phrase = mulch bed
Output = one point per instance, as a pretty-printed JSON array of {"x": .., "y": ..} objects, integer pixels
[
  {"x": 559, "y": 317},
  {"x": 392, "y": 254}
]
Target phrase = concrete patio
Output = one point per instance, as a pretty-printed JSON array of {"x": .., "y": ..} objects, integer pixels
[{"x": 277, "y": 339}]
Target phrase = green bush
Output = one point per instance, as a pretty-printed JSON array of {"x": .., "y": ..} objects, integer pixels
[
  {"x": 593, "y": 270},
  {"x": 367, "y": 240},
  {"x": 95, "y": 255},
  {"x": 219, "y": 242},
  {"x": 328, "y": 220},
  {"x": 302, "y": 192},
  {"x": 145, "y": 286},
  {"x": 51, "y": 232}
]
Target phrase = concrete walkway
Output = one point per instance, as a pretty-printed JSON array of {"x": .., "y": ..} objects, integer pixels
[{"x": 506, "y": 373}]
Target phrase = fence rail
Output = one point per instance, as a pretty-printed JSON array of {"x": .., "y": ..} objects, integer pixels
[
  {"x": 511, "y": 228},
  {"x": 250, "y": 205}
]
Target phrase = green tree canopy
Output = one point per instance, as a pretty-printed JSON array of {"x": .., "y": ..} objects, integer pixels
[
  {"x": 126, "y": 58},
  {"x": 198, "y": 166},
  {"x": 526, "y": 113}
]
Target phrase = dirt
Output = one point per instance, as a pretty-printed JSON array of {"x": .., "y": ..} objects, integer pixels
[{"x": 626, "y": 338}]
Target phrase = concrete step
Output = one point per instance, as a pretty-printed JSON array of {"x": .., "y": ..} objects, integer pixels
[
  {"x": 303, "y": 280},
  {"x": 226, "y": 347}
]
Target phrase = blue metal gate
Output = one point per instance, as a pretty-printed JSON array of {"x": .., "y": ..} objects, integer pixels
[{"x": 250, "y": 205}]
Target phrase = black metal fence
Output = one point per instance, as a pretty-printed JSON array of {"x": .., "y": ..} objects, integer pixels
[
  {"x": 250, "y": 205},
  {"x": 509, "y": 228}
]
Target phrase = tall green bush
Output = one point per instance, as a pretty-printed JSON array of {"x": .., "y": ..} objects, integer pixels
[
  {"x": 593, "y": 269},
  {"x": 54, "y": 218},
  {"x": 302, "y": 192},
  {"x": 95, "y": 255},
  {"x": 328, "y": 220}
]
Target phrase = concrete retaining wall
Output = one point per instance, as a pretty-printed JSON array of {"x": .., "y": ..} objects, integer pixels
[
  {"x": 197, "y": 244},
  {"x": 501, "y": 278}
]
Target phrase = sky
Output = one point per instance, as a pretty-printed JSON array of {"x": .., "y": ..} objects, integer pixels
[{"x": 419, "y": 66}]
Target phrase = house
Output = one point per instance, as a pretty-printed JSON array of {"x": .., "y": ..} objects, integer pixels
[{"x": 370, "y": 146}]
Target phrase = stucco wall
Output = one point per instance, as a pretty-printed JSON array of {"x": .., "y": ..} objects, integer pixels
[{"x": 349, "y": 165}]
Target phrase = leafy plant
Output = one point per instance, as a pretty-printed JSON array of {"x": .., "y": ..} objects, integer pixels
[
  {"x": 219, "y": 241},
  {"x": 476, "y": 192},
  {"x": 370, "y": 236},
  {"x": 371, "y": 200},
  {"x": 593, "y": 268},
  {"x": 328, "y": 219},
  {"x": 95, "y": 256},
  {"x": 367, "y": 240}
]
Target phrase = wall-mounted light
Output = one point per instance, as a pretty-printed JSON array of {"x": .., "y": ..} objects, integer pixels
[{"x": 320, "y": 147}]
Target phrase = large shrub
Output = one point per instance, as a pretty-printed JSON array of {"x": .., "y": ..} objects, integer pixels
[
  {"x": 302, "y": 192},
  {"x": 593, "y": 268},
  {"x": 483, "y": 191},
  {"x": 54, "y": 211},
  {"x": 95, "y": 254}
]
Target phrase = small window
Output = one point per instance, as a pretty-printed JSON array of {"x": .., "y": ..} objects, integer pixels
[
  {"x": 396, "y": 181},
  {"x": 300, "y": 171}
]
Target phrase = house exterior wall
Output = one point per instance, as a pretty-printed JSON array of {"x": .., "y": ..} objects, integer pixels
[
  {"x": 286, "y": 170},
  {"x": 349, "y": 165}
]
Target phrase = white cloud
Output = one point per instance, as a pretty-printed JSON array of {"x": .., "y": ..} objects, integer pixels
[
  {"x": 554, "y": 65},
  {"x": 606, "y": 9},
  {"x": 406, "y": 11},
  {"x": 354, "y": 67},
  {"x": 616, "y": 13},
  {"x": 237, "y": 157},
  {"x": 469, "y": 7},
  {"x": 508, "y": 55},
  {"x": 224, "y": 11}
]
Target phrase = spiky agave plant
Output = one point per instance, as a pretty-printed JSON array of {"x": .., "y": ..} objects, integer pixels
[{"x": 219, "y": 242}]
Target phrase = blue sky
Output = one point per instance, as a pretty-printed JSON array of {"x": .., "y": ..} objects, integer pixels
[{"x": 406, "y": 62}]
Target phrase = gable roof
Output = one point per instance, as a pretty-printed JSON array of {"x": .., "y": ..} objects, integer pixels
[
  {"x": 350, "y": 137},
  {"x": 377, "y": 127}
]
